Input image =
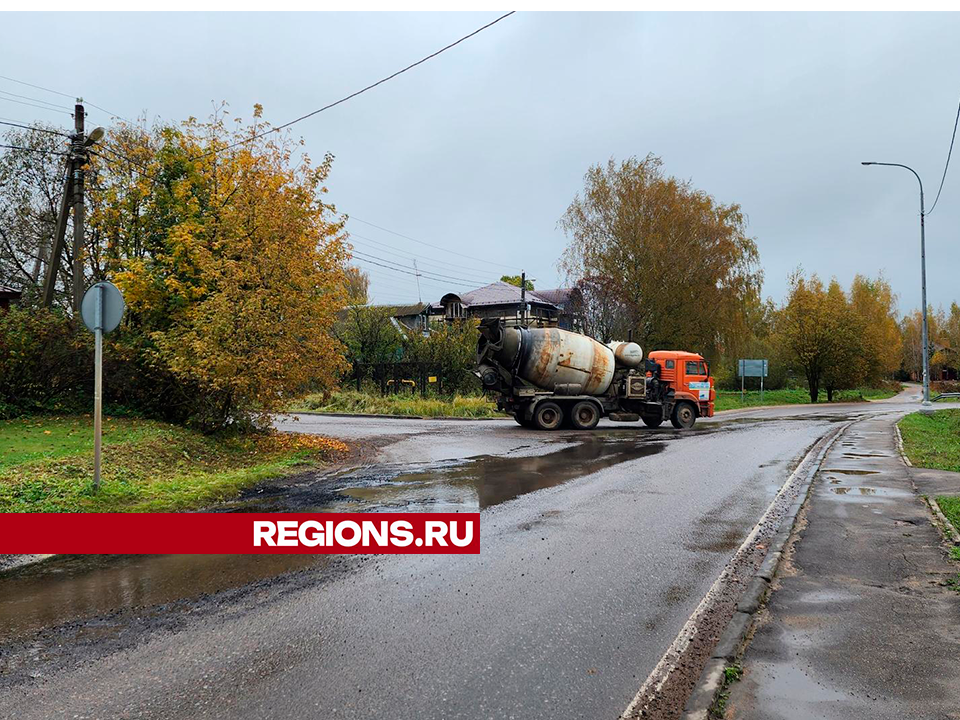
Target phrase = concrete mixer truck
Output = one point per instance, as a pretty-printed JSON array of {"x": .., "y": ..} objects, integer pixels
[{"x": 549, "y": 378}]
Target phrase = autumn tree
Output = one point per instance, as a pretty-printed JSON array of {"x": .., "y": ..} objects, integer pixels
[
  {"x": 604, "y": 314},
  {"x": 874, "y": 306},
  {"x": 231, "y": 264},
  {"x": 357, "y": 285},
  {"x": 846, "y": 359},
  {"x": 677, "y": 261},
  {"x": 804, "y": 330}
]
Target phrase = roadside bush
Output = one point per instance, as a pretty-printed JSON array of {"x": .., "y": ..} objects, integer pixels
[
  {"x": 46, "y": 363},
  {"x": 945, "y": 386}
]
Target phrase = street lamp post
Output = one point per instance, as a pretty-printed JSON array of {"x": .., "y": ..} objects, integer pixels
[{"x": 923, "y": 285}]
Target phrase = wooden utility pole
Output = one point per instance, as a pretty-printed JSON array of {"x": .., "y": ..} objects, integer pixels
[
  {"x": 523, "y": 298},
  {"x": 72, "y": 197},
  {"x": 53, "y": 265},
  {"x": 79, "y": 142}
]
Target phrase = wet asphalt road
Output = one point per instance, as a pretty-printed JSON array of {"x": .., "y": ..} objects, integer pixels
[{"x": 595, "y": 550}]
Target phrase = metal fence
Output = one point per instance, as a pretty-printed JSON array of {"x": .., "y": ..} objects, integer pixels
[{"x": 412, "y": 379}]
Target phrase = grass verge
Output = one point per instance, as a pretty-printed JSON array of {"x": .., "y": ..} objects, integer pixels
[
  {"x": 933, "y": 441},
  {"x": 46, "y": 464},
  {"x": 351, "y": 401},
  {"x": 950, "y": 507},
  {"x": 730, "y": 399}
]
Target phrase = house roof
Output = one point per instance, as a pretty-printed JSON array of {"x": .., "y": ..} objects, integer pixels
[
  {"x": 498, "y": 293},
  {"x": 558, "y": 296},
  {"x": 403, "y": 310}
]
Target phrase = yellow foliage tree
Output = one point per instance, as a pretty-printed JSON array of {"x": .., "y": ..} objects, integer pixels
[
  {"x": 677, "y": 266},
  {"x": 232, "y": 266}
]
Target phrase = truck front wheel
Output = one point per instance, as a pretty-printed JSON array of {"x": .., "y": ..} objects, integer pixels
[
  {"x": 547, "y": 416},
  {"x": 584, "y": 415},
  {"x": 684, "y": 416}
]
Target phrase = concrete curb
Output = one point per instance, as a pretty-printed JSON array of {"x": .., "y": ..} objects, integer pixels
[
  {"x": 393, "y": 417},
  {"x": 947, "y": 525},
  {"x": 733, "y": 639},
  {"x": 903, "y": 455}
]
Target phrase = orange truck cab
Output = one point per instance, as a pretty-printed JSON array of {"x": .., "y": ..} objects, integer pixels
[{"x": 689, "y": 376}]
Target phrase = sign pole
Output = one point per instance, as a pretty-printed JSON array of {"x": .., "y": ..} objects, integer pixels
[
  {"x": 742, "y": 370},
  {"x": 98, "y": 389},
  {"x": 761, "y": 388},
  {"x": 101, "y": 309}
]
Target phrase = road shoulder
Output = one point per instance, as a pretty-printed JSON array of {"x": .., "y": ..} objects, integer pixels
[{"x": 864, "y": 614}]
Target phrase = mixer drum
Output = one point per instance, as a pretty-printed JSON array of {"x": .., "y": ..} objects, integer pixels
[{"x": 563, "y": 361}]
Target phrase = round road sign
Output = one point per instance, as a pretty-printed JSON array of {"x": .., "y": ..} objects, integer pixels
[{"x": 112, "y": 307}]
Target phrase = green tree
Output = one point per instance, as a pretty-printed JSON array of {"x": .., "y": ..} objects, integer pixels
[
  {"x": 516, "y": 280},
  {"x": 368, "y": 333}
]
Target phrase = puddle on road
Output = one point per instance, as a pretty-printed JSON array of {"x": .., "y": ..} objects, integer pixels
[
  {"x": 449, "y": 486},
  {"x": 71, "y": 588},
  {"x": 78, "y": 586},
  {"x": 851, "y": 472}
]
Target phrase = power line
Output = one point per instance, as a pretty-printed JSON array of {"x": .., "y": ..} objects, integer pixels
[
  {"x": 406, "y": 256},
  {"x": 412, "y": 272},
  {"x": 57, "y": 92},
  {"x": 108, "y": 112},
  {"x": 42, "y": 107},
  {"x": 435, "y": 247},
  {"x": 383, "y": 277},
  {"x": 358, "y": 92},
  {"x": 33, "y": 127},
  {"x": 427, "y": 273},
  {"x": 949, "y": 153},
  {"x": 33, "y": 99},
  {"x": 36, "y": 150},
  {"x": 409, "y": 272},
  {"x": 38, "y": 87}
]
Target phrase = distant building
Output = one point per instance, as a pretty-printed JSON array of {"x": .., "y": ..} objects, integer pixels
[
  {"x": 944, "y": 363},
  {"x": 544, "y": 308},
  {"x": 8, "y": 295}
]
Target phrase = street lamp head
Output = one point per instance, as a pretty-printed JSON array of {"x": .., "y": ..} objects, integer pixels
[
  {"x": 868, "y": 163},
  {"x": 95, "y": 136}
]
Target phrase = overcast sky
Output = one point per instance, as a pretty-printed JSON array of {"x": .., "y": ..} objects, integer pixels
[{"x": 481, "y": 149}]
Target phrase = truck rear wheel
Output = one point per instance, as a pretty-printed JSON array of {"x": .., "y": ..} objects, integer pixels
[
  {"x": 684, "y": 416},
  {"x": 584, "y": 415},
  {"x": 547, "y": 416}
]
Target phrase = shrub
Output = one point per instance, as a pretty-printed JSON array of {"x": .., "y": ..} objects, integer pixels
[{"x": 46, "y": 362}]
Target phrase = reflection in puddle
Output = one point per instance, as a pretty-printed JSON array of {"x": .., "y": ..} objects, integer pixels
[
  {"x": 77, "y": 586},
  {"x": 450, "y": 486}
]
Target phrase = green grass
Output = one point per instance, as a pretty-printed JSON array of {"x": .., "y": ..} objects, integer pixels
[
  {"x": 350, "y": 401},
  {"x": 933, "y": 441},
  {"x": 950, "y": 506},
  {"x": 730, "y": 399},
  {"x": 46, "y": 464}
]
